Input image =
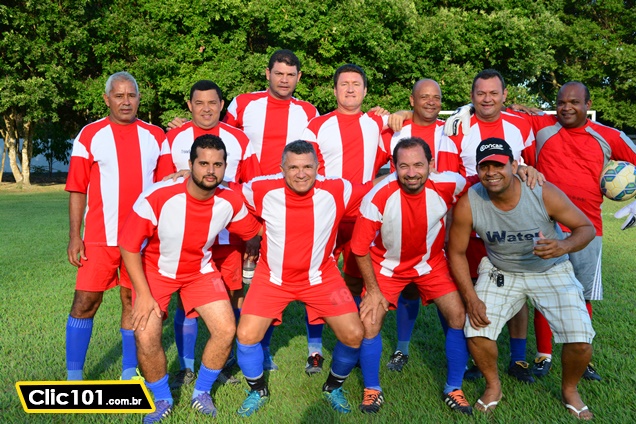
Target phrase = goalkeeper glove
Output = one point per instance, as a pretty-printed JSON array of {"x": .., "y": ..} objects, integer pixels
[
  {"x": 462, "y": 115},
  {"x": 628, "y": 211}
]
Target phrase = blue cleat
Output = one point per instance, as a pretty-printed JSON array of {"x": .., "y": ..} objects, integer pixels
[
  {"x": 203, "y": 403},
  {"x": 337, "y": 400},
  {"x": 253, "y": 402},
  {"x": 163, "y": 408}
]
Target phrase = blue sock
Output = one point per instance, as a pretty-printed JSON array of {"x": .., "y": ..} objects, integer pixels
[
  {"x": 407, "y": 311},
  {"x": 129, "y": 354},
  {"x": 370, "y": 354},
  {"x": 456, "y": 359},
  {"x": 442, "y": 321},
  {"x": 185, "y": 337},
  {"x": 517, "y": 350},
  {"x": 267, "y": 339},
  {"x": 160, "y": 390},
  {"x": 205, "y": 380},
  {"x": 357, "y": 299},
  {"x": 78, "y": 336},
  {"x": 237, "y": 314},
  {"x": 250, "y": 359},
  {"x": 314, "y": 337},
  {"x": 344, "y": 359}
]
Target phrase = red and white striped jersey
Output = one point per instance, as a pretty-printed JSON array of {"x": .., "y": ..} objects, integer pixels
[
  {"x": 300, "y": 230},
  {"x": 573, "y": 158},
  {"x": 347, "y": 145},
  {"x": 270, "y": 124},
  {"x": 404, "y": 233},
  {"x": 112, "y": 164},
  {"x": 242, "y": 163},
  {"x": 431, "y": 134},
  {"x": 175, "y": 231},
  {"x": 457, "y": 153}
]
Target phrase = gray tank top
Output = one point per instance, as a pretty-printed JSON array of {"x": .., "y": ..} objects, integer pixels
[{"x": 508, "y": 235}]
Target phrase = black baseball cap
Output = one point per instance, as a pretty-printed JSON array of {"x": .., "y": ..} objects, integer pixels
[{"x": 494, "y": 149}]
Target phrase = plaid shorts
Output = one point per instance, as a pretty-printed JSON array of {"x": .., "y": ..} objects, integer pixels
[{"x": 556, "y": 293}]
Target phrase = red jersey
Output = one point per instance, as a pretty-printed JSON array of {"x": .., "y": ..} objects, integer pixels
[
  {"x": 573, "y": 159},
  {"x": 270, "y": 124},
  {"x": 113, "y": 164},
  {"x": 457, "y": 153},
  {"x": 300, "y": 230},
  {"x": 242, "y": 163},
  {"x": 405, "y": 233},
  {"x": 175, "y": 231},
  {"x": 347, "y": 145},
  {"x": 431, "y": 134}
]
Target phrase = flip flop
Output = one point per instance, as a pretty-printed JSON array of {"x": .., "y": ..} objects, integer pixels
[
  {"x": 486, "y": 408},
  {"x": 577, "y": 412}
]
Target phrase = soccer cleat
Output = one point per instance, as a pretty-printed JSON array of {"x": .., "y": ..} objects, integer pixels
[
  {"x": 398, "y": 361},
  {"x": 372, "y": 401},
  {"x": 185, "y": 376},
  {"x": 457, "y": 402},
  {"x": 226, "y": 377},
  {"x": 253, "y": 402},
  {"x": 521, "y": 371},
  {"x": 472, "y": 373},
  {"x": 163, "y": 408},
  {"x": 268, "y": 363},
  {"x": 541, "y": 366},
  {"x": 314, "y": 364},
  {"x": 337, "y": 400},
  {"x": 204, "y": 404},
  {"x": 591, "y": 374}
]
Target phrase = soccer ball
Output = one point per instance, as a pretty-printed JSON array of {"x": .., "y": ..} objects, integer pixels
[{"x": 618, "y": 180}]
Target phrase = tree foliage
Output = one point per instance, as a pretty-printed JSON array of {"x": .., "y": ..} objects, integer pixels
[{"x": 56, "y": 56}]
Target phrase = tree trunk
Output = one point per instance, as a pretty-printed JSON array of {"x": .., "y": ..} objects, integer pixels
[
  {"x": 27, "y": 152},
  {"x": 12, "y": 141}
]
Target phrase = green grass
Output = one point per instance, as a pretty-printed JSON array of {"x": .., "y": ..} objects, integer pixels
[{"x": 37, "y": 287}]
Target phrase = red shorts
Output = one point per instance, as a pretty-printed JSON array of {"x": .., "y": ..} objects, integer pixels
[
  {"x": 228, "y": 259},
  {"x": 327, "y": 299},
  {"x": 475, "y": 253},
  {"x": 343, "y": 245},
  {"x": 431, "y": 286},
  {"x": 195, "y": 292},
  {"x": 99, "y": 272}
]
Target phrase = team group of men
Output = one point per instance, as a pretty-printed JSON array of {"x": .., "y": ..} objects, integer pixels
[{"x": 275, "y": 180}]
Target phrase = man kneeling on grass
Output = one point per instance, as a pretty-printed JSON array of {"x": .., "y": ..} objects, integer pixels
[
  {"x": 174, "y": 224},
  {"x": 527, "y": 258}
]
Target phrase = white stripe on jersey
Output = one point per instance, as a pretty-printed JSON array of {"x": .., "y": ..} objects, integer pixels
[
  {"x": 324, "y": 220},
  {"x": 105, "y": 154},
  {"x": 255, "y": 115},
  {"x": 170, "y": 246},
  {"x": 181, "y": 146},
  {"x": 274, "y": 214},
  {"x": 392, "y": 230}
]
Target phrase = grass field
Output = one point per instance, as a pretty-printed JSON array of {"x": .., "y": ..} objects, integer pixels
[{"x": 37, "y": 288}]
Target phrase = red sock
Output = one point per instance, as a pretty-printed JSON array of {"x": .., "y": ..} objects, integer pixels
[
  {"x": 543, "y": 333},
  {"x": 588, "y": 305}
]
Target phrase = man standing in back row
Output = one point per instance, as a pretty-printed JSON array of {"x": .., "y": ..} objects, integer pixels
[
  {"x": 588, "y": 146},
  {"x": 272, "y": 119},
  {"x": 112, "y": 162}
]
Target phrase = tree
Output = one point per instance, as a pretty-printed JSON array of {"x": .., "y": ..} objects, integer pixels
[{"x": 42, "y": 49}]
